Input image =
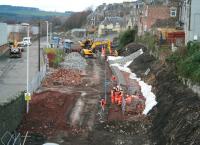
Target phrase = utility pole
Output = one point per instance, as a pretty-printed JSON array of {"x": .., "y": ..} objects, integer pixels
[
  {"x": 39, "y": 46},
  {"x": 47, "y": 34},
  {"x": 27, "y": 94},
  {"x": 51, "y": 24}
]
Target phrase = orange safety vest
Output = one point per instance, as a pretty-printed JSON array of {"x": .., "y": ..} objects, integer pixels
[
  {"x": 113, "y": 78},
  {"x": 103, "y": 103},
  {"x": 112, "y": 96}
]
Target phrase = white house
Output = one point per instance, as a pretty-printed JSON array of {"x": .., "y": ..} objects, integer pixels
[
  {"x": 190, "y": 18},
  {"x": 111, "y": 25}
]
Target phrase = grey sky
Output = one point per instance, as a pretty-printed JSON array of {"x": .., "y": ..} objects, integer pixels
[{"x": 59, "y": 5}]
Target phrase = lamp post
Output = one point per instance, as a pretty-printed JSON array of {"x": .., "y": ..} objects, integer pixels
[
  {"x": 27, "y": 94},
  {"x": 47, "y": 33},
  {"x": 50, "y": 32},
  {"x": 39, "y": 46}
]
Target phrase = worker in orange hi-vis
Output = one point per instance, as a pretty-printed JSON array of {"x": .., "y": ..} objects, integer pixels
[
  {"x": 113, "y": 95},
  {"x": 103, "y": 104},
  {"x": 113, "y": 78},
  {"x": 103, "y": 51}
]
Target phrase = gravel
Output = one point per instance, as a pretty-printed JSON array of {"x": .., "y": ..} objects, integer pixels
[{"x": 74, "y": 61}]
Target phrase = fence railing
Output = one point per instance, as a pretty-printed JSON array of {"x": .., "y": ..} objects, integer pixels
[
  {"x": 37, "y": 79},
  {"x": 11, "y": 139}
]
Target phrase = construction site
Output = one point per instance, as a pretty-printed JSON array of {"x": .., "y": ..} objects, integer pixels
[
  {"x": 106, "y": 99},
  {"x": 125, "y": 73}
]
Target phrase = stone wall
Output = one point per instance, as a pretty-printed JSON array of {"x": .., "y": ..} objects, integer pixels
[{"x": 195, "y": 87}]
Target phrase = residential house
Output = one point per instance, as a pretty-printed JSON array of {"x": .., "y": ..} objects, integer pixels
[
  {"x": 190, "y": 19},
  {"x": 78, "y": 32},
  {"x": 133, "y": 18},
  {"x": 150, "y": 14},
  {"x": 111, "y": 10},
  {"x": 111, "y": 25},
  {"x": 95, "y": 18}
]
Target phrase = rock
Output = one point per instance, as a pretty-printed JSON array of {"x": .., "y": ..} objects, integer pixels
[
  {"x": 74, "y": 61},
  {"x": 63, "y": 77}
]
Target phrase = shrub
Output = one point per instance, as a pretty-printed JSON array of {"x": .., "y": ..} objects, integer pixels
[
  {"x": 148, "y": 39},
  {"x": 55, "y": 56},
  {"x": 188, "y": 61},
  {"x": 127, "y": 37}
]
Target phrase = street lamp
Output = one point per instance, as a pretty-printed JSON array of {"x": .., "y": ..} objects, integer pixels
[
  {"x": 47, "y": 33},
  {"x": 50, "y": 32},
  {"x": 27, "y": 95}
]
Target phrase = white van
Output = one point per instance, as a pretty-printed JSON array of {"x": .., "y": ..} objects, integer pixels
[{"x": 27, "y": 41}]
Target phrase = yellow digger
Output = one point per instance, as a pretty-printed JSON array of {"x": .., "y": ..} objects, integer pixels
[
  {"x": 85, "y": 44},
  {"x": 16, "y": 49},
  {"x": 97, "y": 46}
]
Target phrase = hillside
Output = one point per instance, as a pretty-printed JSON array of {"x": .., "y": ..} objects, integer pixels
[
  {"x": 18, "y": 13},
  {"x": 7, "y": 9}
]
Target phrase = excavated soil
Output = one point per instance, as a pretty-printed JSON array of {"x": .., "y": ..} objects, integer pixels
[
  {"x": 48, "y": 113},
  {"x": 176, "y": 117},
  {"x": 131, "y": 48}
]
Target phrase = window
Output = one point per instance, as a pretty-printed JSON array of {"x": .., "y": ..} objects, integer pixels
[{"x": 173, "y": 13}]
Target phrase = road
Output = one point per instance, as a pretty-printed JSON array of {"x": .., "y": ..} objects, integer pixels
[{"x": 13, "y": 72}]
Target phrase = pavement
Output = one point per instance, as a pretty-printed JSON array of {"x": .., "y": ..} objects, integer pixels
[{"x": 13, "y": 72}]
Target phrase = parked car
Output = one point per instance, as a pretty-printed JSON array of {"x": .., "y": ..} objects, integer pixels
[{"x": 26, "y": 41}]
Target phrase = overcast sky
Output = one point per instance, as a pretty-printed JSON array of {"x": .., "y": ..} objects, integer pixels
[{"x": 59, "y": 5}]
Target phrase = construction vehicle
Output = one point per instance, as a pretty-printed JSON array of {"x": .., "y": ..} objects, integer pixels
[
  {"x": 55, "y": 42},
  {"x": 16, "y": 50},
  {"x": 26, "y": 41},
  {"x": 21, "y": 46},
  {"x": 86, "y": 44},
  {"x": 98, "y": 46},
  {"x": 67, "y": 45}
]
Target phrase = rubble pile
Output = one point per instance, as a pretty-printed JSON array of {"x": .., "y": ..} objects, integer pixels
[
  {"x": 121, "y": 133},
  {"x": 128, "y": 128},
  {"x": 74, "y": 61},
  {"x": 63, "y": 77}
]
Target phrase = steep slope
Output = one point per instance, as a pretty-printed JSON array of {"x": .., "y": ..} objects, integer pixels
[{"x": 176, "y": 117}]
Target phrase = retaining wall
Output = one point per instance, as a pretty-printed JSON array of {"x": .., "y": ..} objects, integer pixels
[
  {"x": 194, "y": 87},
  {"x": 11, "y": 115}
]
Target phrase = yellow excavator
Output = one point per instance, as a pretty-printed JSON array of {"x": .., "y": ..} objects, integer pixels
[
  {"x": 90, "y": 51},
  {"x": 16, "y": 49},
  {"x": 85, "y": 44}
]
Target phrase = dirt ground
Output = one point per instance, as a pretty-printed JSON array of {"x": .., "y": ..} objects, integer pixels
[
  {"x": 73, "y": 115},
  {"x": 65, "y": 114}
]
